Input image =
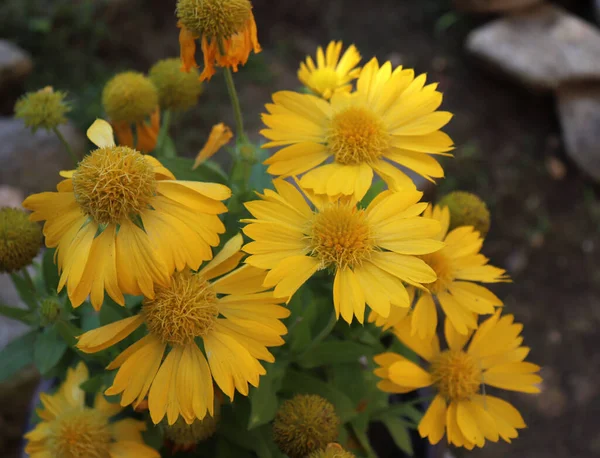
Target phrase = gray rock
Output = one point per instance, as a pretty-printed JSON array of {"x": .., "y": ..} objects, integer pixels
[
  {"x": 15, "y": 64},
  {"x": 541, "y": 48},
  {"x": 31, "y": 162},
  {"x": 579, "y": 112},
  {"x": 494, "y": 6}
]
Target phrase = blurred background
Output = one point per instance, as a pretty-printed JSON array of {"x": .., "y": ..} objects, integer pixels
[{"x": 522, "y": 78}]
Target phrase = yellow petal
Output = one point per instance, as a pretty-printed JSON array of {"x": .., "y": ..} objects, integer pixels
[
  {"x": 162, "y": 396},
  {"x": 219, "y": 136},
  {"x": 131, "y": 449},
  {"x": 407, "y": 373},
  {"x": 106, "y": 336},
  {"x": 101, "y": 134},
  {"x": 230, "y": 249},
  {"x": 433, "y": 424},
  {"x": 468, "y": 424},
  {"x": 348, "y": 296},
  {"x": 424, "y": 318}
]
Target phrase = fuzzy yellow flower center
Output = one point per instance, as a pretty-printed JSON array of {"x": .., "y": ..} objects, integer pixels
[
  {"x": 80, "y": 434},
  {"x": 357, "y": 136},
  {"x": 443, "y": 268},
  {"x": 113, "y": 183},
  {"x": 185, "y": 310},
  {"x": 340, "y": 236},
  {"x": 456, "y": 374},
  {"x": 214, "y": 18}
]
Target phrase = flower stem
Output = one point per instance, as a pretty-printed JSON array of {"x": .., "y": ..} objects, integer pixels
[
  {"x": 66, "y": 145},
  {"x": 235, "y": 101},
  {"x": 30, "y": 283},
  {"x": 162, "y": 136}
]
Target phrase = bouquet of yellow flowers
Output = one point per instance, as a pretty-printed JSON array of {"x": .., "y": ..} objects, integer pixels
[{"x": 277, "y": 309}]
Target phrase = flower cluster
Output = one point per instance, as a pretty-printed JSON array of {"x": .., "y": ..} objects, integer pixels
[{"x": 163, "y": 290}]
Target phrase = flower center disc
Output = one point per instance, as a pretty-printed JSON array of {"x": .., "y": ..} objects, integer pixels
[
  {"x": 340, "y": 236},
  {"x": 214, "y": 18},
  {"x": 80, "y": 434},
  {"x": 113, "y": 183},
  {"x": 357, "y": 136},
  {"x": 185, "y": 310},
  {"x": 442, "y": 266},
  {"x": 456, "y": 375}
]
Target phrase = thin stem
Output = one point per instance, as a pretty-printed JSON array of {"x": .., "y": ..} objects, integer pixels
[
  {"x": 29, "y": 281},
  {"x": 164, "y": 131},
  {"x": 66, "y": 145},
  {"x": 235, "y": 101}
]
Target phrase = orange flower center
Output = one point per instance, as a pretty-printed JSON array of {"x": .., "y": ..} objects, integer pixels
[
  {"x": 442, "y": 266},
  {"x": 456, "y": 375},
  {"x": 80, "y": 434},
  {"x": 185, "y": 310},
  {"x": 114, "y": 183},
  {"x": 340, "y": 236},
  {"x": 357, "y": 136}
]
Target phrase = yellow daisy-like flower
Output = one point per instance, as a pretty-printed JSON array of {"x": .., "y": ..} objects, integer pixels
[
  {"x": 234, "y": 317},
  {"x": 390, "y": 120},
  {"x": 70, "y": 429},
  {"x": 461, "y": 408},
  {"x": 121, "y": 222},
  {"x": 370, "y": 251},
  {"x": 227, "y": 29},
  {"x": 331, "y": 74},
  {"x": 459, "y": 265}
]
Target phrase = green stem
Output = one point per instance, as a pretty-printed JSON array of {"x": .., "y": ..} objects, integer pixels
[
  {"x": 235, "y": 100},
  {"x": 164, "y": 131},
  {"x": 30, "y": 282},
  {"x": 66, "y": 145}
]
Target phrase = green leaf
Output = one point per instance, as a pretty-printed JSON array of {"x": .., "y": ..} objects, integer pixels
[
  {"x": 333, "y": 352},
  {"x": 233, "y": 427},
  {"x": 49, "y": 348},
  {"x": 263, "y": 400},
  {"x": 16, "y": 355},
  {"x": 68, "y": 331},
  {"x": 296, "y": 382},
  {"x": 360, "y": 433},
  {"x": 226, "y": 449},
  {"x": 16, "y": 313},
  {"x": 167, "y": 149},
  {"x": 399, "y": 431},
  {"x": 24, "y": 290},
  {"x": 376, "y": 188},
  {"x": 50, "y": 271},
  {"x": 93, "y": 384},
  {"x": 182, "y": 169}
]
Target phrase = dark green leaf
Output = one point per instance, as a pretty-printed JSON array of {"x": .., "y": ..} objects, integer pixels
[
  {"x": 24, "y": 289},
  {"x": 182, "y": 169},
  {"x": 50, "y": 271},
  {"x": 167, "y": 149},
  {"x": 263, "y": 400},
  {"x": 49, "y": 348},
  {"x": 16, "y": 355},
  {"x": 332, "y": 352},
  {"x": 18, "y": 314},
  {"x": 399, "y": 432},
  {"x": 296, "y": 382},
  {"x": 259, "y": 178},
  {"x": 226, "y": 449},
  {"x": 233, "y": 427}
]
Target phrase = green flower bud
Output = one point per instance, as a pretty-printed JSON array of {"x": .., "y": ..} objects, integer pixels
[
  {"x": 20, "y": 239},
  {"x": 44, "y": 108},
  {"x": 49, "y": 311},
  {"x": 467, "y": 209},
  {"x": 129, "y": 97},
  {"x": 177, "y": 90},
  {"x": 305, "y": 424}
]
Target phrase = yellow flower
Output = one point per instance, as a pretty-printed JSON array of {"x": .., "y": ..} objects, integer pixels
[
  {"x": 130, "y": 98},
  {"x": 219, "y": 136},
  {"x": 70, "y": 429},
  {"x": 461, "y": 408},
  {"x": 235, "y": 318},
  {"x": 227, "y": 30},
  {"x": 94, "y": 221},
  {"x": 369, "y": 251},
  {"x": 390, "y": 119},
  {"x": 331, "y": 74},
  {"x": 459, "y": 265}
]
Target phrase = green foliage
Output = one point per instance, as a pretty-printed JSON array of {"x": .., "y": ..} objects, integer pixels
[{"x": 16, "y": 355}]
